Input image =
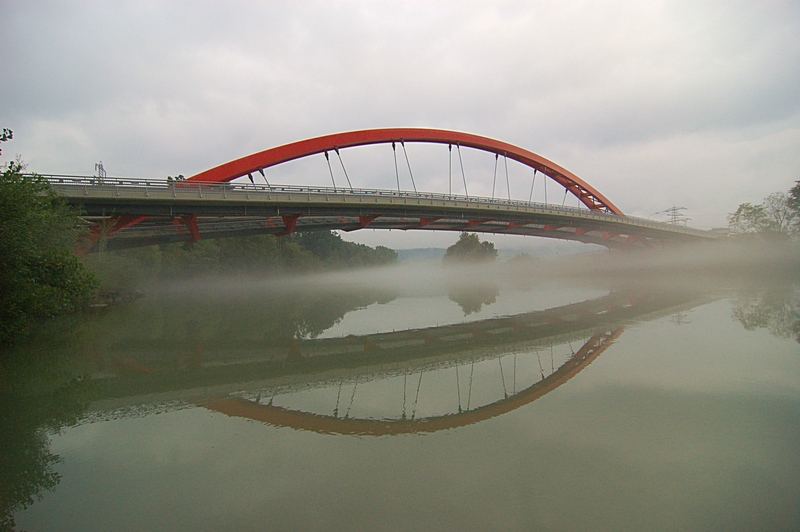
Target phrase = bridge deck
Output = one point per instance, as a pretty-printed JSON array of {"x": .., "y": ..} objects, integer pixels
[{"x": 315, "y": 208}]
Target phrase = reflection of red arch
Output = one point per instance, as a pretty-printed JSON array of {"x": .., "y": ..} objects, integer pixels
[
  {"x": 229, "y": 171},
  {"x": 283, "y": 417}
]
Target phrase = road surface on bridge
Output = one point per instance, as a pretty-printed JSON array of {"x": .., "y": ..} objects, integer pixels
[{"x": 138, "y": 212}]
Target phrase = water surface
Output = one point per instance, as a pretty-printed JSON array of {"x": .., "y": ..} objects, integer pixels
[{"x": 330, "y": 403}]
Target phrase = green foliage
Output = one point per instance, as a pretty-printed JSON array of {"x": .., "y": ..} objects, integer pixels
[
  {"x": 470, "y": 249},
  {"x": 40, "y": 393},
  {"x": 749, "y": 218},
  {"x": 334, "y": 251},
  {"x": 776, "y": 309},
  {"x": 127, "y": 269},
  {"x": 40, "y": 277},
  {"x": 5, "y": 135},
  {"x": 794, "y": 204},
  {"x": 777, "y": 215},
  {"x": 124, "y": 270},
  {"x": 472, "y": 297}
]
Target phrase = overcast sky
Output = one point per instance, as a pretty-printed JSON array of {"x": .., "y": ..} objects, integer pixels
[{"x": 656, "y": 104}]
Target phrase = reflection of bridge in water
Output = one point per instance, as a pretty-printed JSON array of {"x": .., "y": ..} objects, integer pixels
[
  {"x": 247, "y": 388},
  {"x": 334, "y": 424}
]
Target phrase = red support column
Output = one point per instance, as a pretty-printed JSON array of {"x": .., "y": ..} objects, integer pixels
[
  {"x": 427, "y": 221},
  {"x": 191, "y": 224},
  {"x": 473, "y": 223},
  {"x": 290, "y": 221},
  {"x": 364, "y": 221},
  {"x": 96, "y": 232}
]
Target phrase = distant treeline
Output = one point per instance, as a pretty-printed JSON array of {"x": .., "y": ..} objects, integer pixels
[{"x": 301, "y": 252}]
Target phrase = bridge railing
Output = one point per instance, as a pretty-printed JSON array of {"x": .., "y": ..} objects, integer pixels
[{"x": 186, "y": 188}]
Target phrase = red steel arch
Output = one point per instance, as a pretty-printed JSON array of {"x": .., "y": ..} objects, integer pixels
[{"x": 229, "y": 171}]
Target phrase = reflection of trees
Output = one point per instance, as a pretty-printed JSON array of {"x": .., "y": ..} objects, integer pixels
[
  {"x": 776, "y": 309},
  {"x": 308, "y": 315},
  {"x": 471, "y": 297},
  {"x": 177, "y": 329},
  {"x": 37, "y": 395}
]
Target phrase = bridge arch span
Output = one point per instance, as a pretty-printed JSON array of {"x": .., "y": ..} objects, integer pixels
[{"x": 586, "y": 193}]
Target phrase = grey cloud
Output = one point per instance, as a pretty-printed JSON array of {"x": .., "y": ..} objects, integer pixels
[{"x": 155, "y": 88}]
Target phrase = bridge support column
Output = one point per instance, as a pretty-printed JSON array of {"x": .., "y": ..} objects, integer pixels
[
  {"x": 427, "y": 221},
  {"x": 364, "y": 221},
  {"x": 107, "y": 229},
  {"x": 290, "y": 221},
  {"x": 191, "y": 224}
]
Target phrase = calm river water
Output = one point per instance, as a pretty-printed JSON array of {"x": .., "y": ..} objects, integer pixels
[{"x": 374, "y": 401}]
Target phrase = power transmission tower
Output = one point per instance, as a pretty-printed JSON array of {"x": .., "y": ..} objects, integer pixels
[
  {"x": 101, "y": 172},
  {"x": 675, "y": 215}
]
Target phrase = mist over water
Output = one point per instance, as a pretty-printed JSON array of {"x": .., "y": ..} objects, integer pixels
[{"x": 668, "y": 374}]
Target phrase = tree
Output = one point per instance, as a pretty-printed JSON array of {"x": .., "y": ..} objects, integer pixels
[
  {"x": 40, "y": 276},
  {"x": 470, "y": 249},
  {"x": 776, "y": 309},
  {"x": 794, "y": 204},
  {"x": 473, "y": 296},
  {"x": 779, "y": 212},
  {"x": 5, "y": 135},
  {"x": 748, "y": 218},
  {"x": 333, "y": 251},
  {"x": 777, "y": 215}
]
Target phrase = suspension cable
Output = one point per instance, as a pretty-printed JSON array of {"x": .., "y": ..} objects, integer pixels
[
  {"x": 344, "y": 169},
  {"x": 330, "y": 170},
  {"x": 404, "y": 394},
  {"x": 458, "y": 387},
  {"x": 264, "y": 175},
  {"x": 541, "y": 369},
  {"x": 494, "y": 176},
  {"x": 469, "y": 393},
  {"x": 545, "y": 191},
  {"x": 396, "y": 172},
  {"x": 450, "y": 169},
  {"x": 565, "y": 196},
  {"x": 338, "y": 395},
  {"x": 416, "y": 398},
  {"x": 463, "y": 175},
  {"x": 352, "y": 396},
  {"x": 508, "y": 186},
  {"x": 533, "y": 182},
  {"x": 502, "y": 376},
  {"x": 514, "y": 389},
  {"x": 403, "y": 145}
]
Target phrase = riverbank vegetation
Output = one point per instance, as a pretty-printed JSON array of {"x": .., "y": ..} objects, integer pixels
[
  {"x": 469, "y": 248},
  {"x": 777, "y": 216},
  {"x": 40, "y": 276},
  {"x": 251, "y": 255}
]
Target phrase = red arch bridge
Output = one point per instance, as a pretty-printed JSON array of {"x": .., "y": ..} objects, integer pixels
[{"x": 237, "y": 198}]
